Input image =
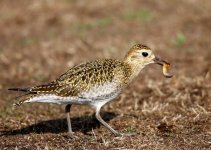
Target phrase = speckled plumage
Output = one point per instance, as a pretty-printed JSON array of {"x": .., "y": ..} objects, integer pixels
[
  {"x": 81, "y": 78},
  {"x": 92, "y": 83},
  {"x": 94, "y": 80}
]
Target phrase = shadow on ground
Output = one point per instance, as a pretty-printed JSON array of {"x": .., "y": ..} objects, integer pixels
[{"x": 83, "y": 124}]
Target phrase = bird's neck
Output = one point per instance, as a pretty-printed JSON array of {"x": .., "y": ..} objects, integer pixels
[{"x": 135, "y": 68}]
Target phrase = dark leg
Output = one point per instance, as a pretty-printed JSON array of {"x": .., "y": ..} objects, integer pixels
[{"x": 67, "y": 111}]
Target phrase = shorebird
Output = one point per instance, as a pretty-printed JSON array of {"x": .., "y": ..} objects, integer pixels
[{"x": 93, "y": 83}]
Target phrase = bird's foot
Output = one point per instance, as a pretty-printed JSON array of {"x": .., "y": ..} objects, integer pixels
[
  {"x": 69, "y": 135},
  {"x": 129, "y": 134},
  {"x": 125, "y": 134}
]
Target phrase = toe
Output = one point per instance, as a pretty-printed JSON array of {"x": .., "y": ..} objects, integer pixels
[{"x": 129, "y": 134}]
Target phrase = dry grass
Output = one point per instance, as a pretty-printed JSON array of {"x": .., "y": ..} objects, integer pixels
[{"x": 42, "y": 39}]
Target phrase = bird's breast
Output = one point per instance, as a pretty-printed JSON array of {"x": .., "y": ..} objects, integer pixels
[{"x": 101, "y": 91}]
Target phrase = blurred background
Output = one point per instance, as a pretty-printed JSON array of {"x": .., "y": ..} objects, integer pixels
[{"x": 41, "y": 39}]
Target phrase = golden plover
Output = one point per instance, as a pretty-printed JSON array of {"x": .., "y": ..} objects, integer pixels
[{"x": 93, "y": 83}]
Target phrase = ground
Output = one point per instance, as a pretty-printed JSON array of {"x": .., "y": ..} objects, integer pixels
[{"x": 41, "y": 39}]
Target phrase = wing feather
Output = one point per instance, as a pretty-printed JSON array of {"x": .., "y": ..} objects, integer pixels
[{"x": 82, "y": 78}]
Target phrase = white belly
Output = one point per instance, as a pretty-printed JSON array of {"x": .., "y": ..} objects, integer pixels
[
  {"x": 96, "y": 96},
  {"x": 104, "y": 91},
  {"x": 97, "y": 103}
]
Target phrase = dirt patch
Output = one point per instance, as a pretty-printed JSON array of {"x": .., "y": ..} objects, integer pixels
[{"x": 42, "y": 39}]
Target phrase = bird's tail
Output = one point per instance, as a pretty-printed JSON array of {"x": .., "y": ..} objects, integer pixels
[
  {"x": 20, "y": 89},
  {"x": 19, "y": 103},
  {"x": 23, "y": 99}
]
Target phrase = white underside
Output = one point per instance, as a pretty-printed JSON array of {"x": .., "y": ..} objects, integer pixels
[
  {"x": 96, "y": 97},
  {"x": 69, "y": 100},
  {"x": 100, "y": 90},
  {"x": 51, "y": 99}
]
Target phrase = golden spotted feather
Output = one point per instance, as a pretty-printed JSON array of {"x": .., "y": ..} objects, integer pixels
[{"x": 107, "y": 75}]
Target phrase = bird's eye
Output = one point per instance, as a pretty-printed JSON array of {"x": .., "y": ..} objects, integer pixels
[{"x": 145, "y": 54}]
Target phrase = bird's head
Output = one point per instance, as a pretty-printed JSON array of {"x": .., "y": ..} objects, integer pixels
[{"x": 141, "y": 55}]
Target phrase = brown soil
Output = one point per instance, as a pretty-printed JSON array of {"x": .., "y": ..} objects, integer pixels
[{"x": 41, "y": 39}]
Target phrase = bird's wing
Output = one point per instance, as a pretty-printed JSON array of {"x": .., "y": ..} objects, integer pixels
[{"x": 87, "y": 80}]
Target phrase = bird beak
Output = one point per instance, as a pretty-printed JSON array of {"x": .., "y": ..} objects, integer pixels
[
  {"x": 160, "y": 61},
  {"x": 165, "y": 65}
]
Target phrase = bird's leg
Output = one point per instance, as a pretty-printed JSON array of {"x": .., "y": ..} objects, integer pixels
[
  {"x": 97, "y": 114},
  {"x": 67, "y": 111}
]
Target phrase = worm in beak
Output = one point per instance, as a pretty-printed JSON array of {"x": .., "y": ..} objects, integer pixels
[{"x": 165, "y": 65}]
